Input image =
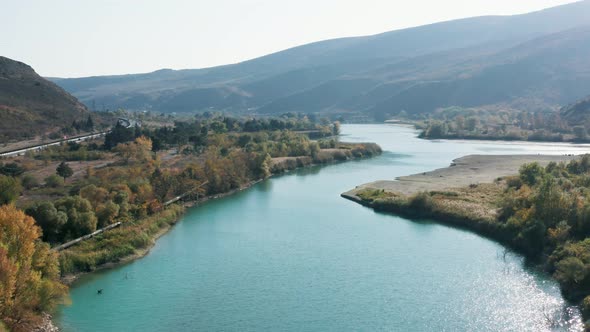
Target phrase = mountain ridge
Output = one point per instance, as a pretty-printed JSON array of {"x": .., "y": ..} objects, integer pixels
[
  {"x": 31, "y": 105},
  {"x": 266, "y": 82}
]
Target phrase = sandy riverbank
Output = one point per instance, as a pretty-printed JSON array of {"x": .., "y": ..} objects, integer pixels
[{"x": 464, "y": 171}]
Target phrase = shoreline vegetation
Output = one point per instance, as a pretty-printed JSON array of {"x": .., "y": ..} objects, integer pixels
[
  {"x": 128, "y": 177},
  {"x": 568, "y": 125},
  {"x": 159, "y": 224},
  {"x": 535, "y": 205}
]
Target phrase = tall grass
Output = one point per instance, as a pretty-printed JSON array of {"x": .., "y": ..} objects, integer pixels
[{"x": 117, "y": 244}]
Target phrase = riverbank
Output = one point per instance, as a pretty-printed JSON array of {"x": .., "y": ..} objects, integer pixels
[
  {"x": 294, "y": 231},
  {"x": 465, "y": 194},
  {"x": 134, "y": 239},
  {"x": 464, "y": 171},
  {"x": 102, "y": 252},
  {"x": 108, "y": 251},
  {"x": 488, "y": 195}
]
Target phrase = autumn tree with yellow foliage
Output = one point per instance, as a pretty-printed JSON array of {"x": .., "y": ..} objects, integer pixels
[{"x": 29, "y": 272}]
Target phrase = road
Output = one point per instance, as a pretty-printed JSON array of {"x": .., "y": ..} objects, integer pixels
[
  {"x": 43, "y": 146},
  {"x": 125, "y": 122}
]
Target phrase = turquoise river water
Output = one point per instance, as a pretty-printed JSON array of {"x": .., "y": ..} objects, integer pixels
[{"x": 289, "y": 254}]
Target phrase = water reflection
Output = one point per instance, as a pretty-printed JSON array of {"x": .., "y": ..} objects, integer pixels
[{"x": 291, "y": 255}]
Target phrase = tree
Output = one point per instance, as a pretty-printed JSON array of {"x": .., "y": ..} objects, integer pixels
[
  {"x": 49, "y": 219},
  {"x": 81, "y": 217},
  {"x": 436, "y": 129},
  {"x": 119, "y": 134},
  {"x": 64, "y": 170},
  {"x": 265, "y": 167},
  {"x": 139, "y": 150},
  {"x": 10, "y": 189},
  {"x": 95, "y": 195},
  {"x": 29, "y": 272},
  {"x": 89, "y": 123},
  {"x": 218, "y": 127},
  {"x": 29, "y": 182},
  {"x": 107, "y": 213},
  {"x": 336, "y": 128},
  {"x": 471, "y": 123},
  {"x": 12, "y": 169},
  {"x": 53, "y": 181},
  {"x": 531, "y": 173}
]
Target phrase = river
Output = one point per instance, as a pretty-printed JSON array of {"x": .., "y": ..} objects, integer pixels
[{"x": 289, "y": 254}]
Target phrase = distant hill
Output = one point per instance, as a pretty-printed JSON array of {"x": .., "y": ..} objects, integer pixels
[
  {"x": 31, "y": 105},
  {"x": 534, "y": 61},
  {"x": 577, "y": 113}
]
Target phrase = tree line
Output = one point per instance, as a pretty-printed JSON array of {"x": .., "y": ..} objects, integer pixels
[
  {"x": 460, "y": 123},
  {"x": 213, "y": 155}
]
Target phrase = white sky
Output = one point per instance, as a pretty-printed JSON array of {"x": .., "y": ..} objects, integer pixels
[{"x": 73, "y": 38}]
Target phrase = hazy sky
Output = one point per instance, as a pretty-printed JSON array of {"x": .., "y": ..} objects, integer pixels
[{"x": 72, "y": 38}]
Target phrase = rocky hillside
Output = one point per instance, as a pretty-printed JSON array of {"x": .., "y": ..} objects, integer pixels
[{"x": 31, "y": 105}]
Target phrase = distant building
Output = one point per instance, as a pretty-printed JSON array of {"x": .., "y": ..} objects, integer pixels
[{"x": 127, "y": 123}]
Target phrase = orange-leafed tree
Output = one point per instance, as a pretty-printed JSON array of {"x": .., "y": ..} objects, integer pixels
[{"x": 29, "y": 272}]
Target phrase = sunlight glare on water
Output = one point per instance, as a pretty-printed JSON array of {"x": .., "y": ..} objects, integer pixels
[{"x": 290, "y": 254}]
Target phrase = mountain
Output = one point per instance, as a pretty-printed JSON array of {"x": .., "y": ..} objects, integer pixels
[
  {"x": 483, "y": 61},
  {"x": 31, "y": 105},
  {"x": 538, "y": 75},
  {"x": 577, "y": 113}
]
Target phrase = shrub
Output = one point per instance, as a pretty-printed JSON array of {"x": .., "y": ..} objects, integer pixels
[
  {"x": 29, "y": 182},
  {"x": 54, "y": 181},
  {"x": 422, "y": 201},
  {"x": 10, "y": 189}
]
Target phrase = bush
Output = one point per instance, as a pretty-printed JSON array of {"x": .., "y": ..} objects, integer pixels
[
  {"x": 586, "y": 306},
  {"x": 10, "y": 189},
  {"x": 116, "y": 244},
  {"x": 531, "y": 173},
  {"x": 54, "y": 181},
  {"x": 29, "y": 182},
  {"x": 422, "y": 201}
]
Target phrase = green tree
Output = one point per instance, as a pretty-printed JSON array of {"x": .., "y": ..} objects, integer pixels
[
  {"x": 81, "y": 217},
  {"x": 436, "y": 129},
  {"x": 571, "y": 270},
  {"x": 11, "y": 169},
  {"x": 119, "y": 134},
  {"x": 89, "y": 123},
  {"x": 29, "y": 182},
  {"x": 64, "y": 170},
  {"x": 10, "y": 189},
  {"x": 531, "y": 173},
  {"x": 54, "y": 181},
  {"x": 49, "y": 219},
  {"x": 107, "y": 213}
]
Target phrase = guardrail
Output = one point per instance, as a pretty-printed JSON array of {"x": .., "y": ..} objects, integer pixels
[
  {"x": 38, "y": 147},
  {"x": 86, "y": 237}
]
